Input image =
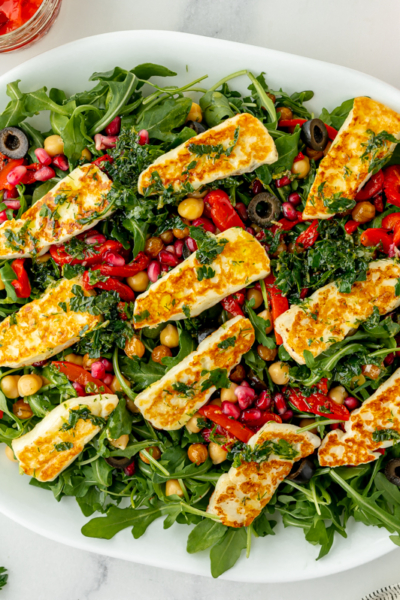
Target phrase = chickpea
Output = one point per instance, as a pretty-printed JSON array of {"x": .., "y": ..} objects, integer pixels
[
  {"x": 121, "y": 442},
  {"x": 286, "y": 113},
  {"x": 271, "y": 97},
  {"x": 153, "y": 246},
  {"x": 218, "y": 401},
  {"x": 2, "y": 284},
  {"x": 195, "y": 113},
  {"x": 131, "y": 406},
  {"x": 266, "y": 315},
  {"x": 159, "y": 353},
  {"x": 9, "y": 386},
  {"x": 281, "y": 248},
  {"x": 314, "y": 154},
  {"x": 10, "y": 454},
  {"x": 217, "y": 453},
  {"x": 167, "y": 237},
  {"x": 198, "y": 194},
  {"x": 301, "y": 168},
  {"x": 197, "y": 453},
  {"x": 256, "y": 295},
  {"x": 154, "y": 453},
  {"x": 228, "y": 394},
  {"x": 238, "y": 374},
  {"x": 87, "y": 362},
  {"x": 134, "y": 347},
  {"x": 54, "y": 145},
  {"x": 363, "y": 212},
  {"x": 266, "y": 353},
  {"x": 138, "y": 282},
  {"x": 173, "y": 488},
  {"x": 43, "y": 259},
  {"x": 169, "y": 336},
  {"x": 371, "y": 371},
  {"x": 357, "y": 380},
  {"x": 305, "y": 422},
  {"x": 191, "y": 208},
  {"x": 115, "y": 385},
  {"x": 327, "y": 148},
  {"x": 338, "y": 394},
  {"x": 181, "y": 234},
  {"x": 22, "y": 410},
  {"x": 86, "y": 154},
  {"x": 29, "y": 384},
  {"x": 75, "y": 359},
  {"x": 192, "y": 424},
  {"x": 279, "y": 373}
]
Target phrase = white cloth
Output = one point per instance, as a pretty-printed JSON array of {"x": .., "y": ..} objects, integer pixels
[{"x": 391, "y": 592}]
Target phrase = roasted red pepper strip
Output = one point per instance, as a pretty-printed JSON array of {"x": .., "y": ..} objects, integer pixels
[
  {"x": 223, "y": 214},
  {"x": 351, "y": 226},
  {"x": 21, "y": 285},
  {"x": 317, "y": 404},
  {"x": 140, "y": 263},
  {"x": 112, "y": 284},
  {"x": 391, "y": 184},
  {"x": 232, "y": 306},
  {"x": 378, "y": 203},
  {"x": 4, "y": 185},
  {"x": 95, "y": 254},
  {"x": 390, "y": 221},
  {"x": 332, "y": 132},
  {"x": 215, "y": 414},
  {"x": 372, "y": 237},
  {"x": 80, "y": 375},
  {"x": 396, "y": 235},
  {"x": 372, "y": 187},
  {"x": 287, "y": 225},
  {"x": 308, "y": 237},
  {"x": 279, "y": 304},
  {"x": 102, "y": 159}
]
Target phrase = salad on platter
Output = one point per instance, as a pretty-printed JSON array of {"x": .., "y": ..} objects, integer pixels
[{"x": 200, "y": 306}]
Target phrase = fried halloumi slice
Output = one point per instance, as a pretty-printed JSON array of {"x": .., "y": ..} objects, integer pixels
[
  {"x": 73, "y": 205},
  {"x": 356, "y": 445},
  {"x": 242, "y": 492},
  {"x": 170, "y": 402},
  {"x": 356, "y": 150},
  {"x": 328, "y": 315},
  {"x": 242, "y": 261},
  {"x": 48, "y": 449},
  {"x": 235, "y": 146},
  {"x": 41, "y": 328}
]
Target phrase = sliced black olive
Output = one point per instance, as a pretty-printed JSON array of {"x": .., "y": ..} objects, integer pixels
[
  {"x": 118, "y": 462},
  {"x": 392, "y": 471},
  {"x": 196, "y": 126},
  {"x": 302, "y": 471},
  {"x": 255, "y": 381},
  {"x": 186, "y": 252},
  {"x": 13, "y": 142},
  {"x": 263, "y": 209},
  {"x": 203, "y": 333},
  {"x": 315, "y": 134}
]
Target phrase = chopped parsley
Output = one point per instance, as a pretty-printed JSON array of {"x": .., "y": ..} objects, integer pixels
[
  {"x": 82, "y": 413},
  {"x": 241, "y": 452},
  {"x": 373, "y": 147},
  {"x": 214, "y": 151},
  {"x": 17, "y": 241},
  {"x": 183, "y": 389},
  {"x": 218, "y": 378},
  {"x": 63, "y": 446},
  {"x": 141, "y": 316},
  {"x": 384, "y": 435},
  {"x": 209, "y": 247},
  {"x": 228, "y": 343},
  {"x": 205, "y": 272}
]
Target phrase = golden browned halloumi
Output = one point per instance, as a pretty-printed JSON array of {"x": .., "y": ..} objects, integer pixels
[
  {"x": 254, "y": 147},
  {"x": 242, "y": 492},
  {"x": 356, "y": 445},
  {"x": 242, "y": 261},
  {"x": 349, "y": 163},
  {"x": 47, "y": 450},
  {"x": 42, "y": 329},
  {"x": 73, "y": 205},
  {"x": 166, "y": 404},
  {"x": 328, "y": 315}
]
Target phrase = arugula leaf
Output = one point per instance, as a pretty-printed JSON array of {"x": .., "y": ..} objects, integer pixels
[
  {"x": 186, "y": 346},
  {"x": 339, "y": 114},
  {"x": 3, "y": 577},
  {"x": 227, "y": 551},
  {"x": 205, "y": 534},
  {"x": 120, "y": 420},
  {"x": 260, "y": 325},
  {"x": 142, "y": 374},
  {"x": 119, "y": 94},
  {"x": 164, "y": 117},
  {"x": 215, "y": 107}
]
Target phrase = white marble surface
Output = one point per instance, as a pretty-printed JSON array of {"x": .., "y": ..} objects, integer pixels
[{"x": 362, "y": 34}]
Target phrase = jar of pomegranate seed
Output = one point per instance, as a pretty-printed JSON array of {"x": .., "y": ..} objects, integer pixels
[{"x": 34, "y": 20}]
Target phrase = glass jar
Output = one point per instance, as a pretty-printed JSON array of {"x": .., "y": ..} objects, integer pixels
[{"x": 32, "y": 30}]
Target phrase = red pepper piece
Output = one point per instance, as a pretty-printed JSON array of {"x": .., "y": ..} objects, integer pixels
[
  {"x": 351, "y": 226},
  {"x": 95, "y": 254},
  {"x": 318, "y": 404},
  {"x": 80, "y": 375},
  {"x": 111, "y": 284},
  {"x": 215, "y": 414},
  {"x": 390, "y": 221},
  {"x": 223, "y": 214},
  {"x": 372, "y": 187},
  {"x": 322, "y": 385},
  {"x": 21, "y": 285},
  {"x": 232, "y": 306},
  {"x": 300, "y": 156},
  {"x": 372, "y": 237},
  {"x": 308, "y": 237},
  {"x": 378, "y": 203},
  {"x": 396, "y": 235},
  {"x": 4, "y": 185},
  {"x": 102, "y": 159},
  {"x": 279, "y": 304},
  {"x": 391, "y": 184},
  {"x": 140, "y": 263},
  {"x": 1, "y": 414}
]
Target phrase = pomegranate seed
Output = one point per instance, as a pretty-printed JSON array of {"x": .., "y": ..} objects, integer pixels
[
  {"x": 282, "y": 182},
  {"x": 251, "y": 415},
  {"x": 43, "y": 157},
  {"x": 44, "y": 174},
  {"x": 250, "y": 230},
  {"x": 114, "y": 259},
  {"x": 94, "y": 240},
  {"x": 114, "y": 127},
  {"x": 334, "y": 426},
  {"x": 153, "y": 271},
  {"x": 171, "y": 249},
  {"x": 167, "y": 258},
  {"x": 256, "y": 187},
  {"x": 191, "y": 244},
  {"x": 381, "y": 451},
  {"x": 107, "y": 379},
  {"x": 303, "y": 293},
  {"x": 264, "y": 401},
  {"x": 130, "y": 469},
  {"x": 244, "y": 382},
  {"x": 98, "y": 370},
  {"x": 107, "y": 364},
  {"x": 294, "y": 198},
  {"x": 3, "y": 216},
  {"x": 260, "y": 236},
  {"x": 392, "y": 251},
  {"x": 287, "y": 415},
  {"x": 389, "y": 359},
  {"x": 9, "y": 194},
  {"x": 16, "y": 175},
  {"x": 245, "y": 396},
  {"x": 351, "y": 403},
  {"x": 242, "y": 210},
  {"x": 103, "y": 141},
  {"x": 165, "y": 268},
  {"x": 230, "y": 409},
  {"x": 280, "y": 404},
  {"x": 205, "y": 223},
  {"x": 13, "y": 204},
  {"x": 40, "y": 363},
  {"x": 78, "y": 387},
  {"x": 143, "y": 137},
  {"x": 378, "y": 203},
  {"x": 61, "y": 162},
  {"x": 289, "y": 211},
  {"x": 178, "y": 245}
]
